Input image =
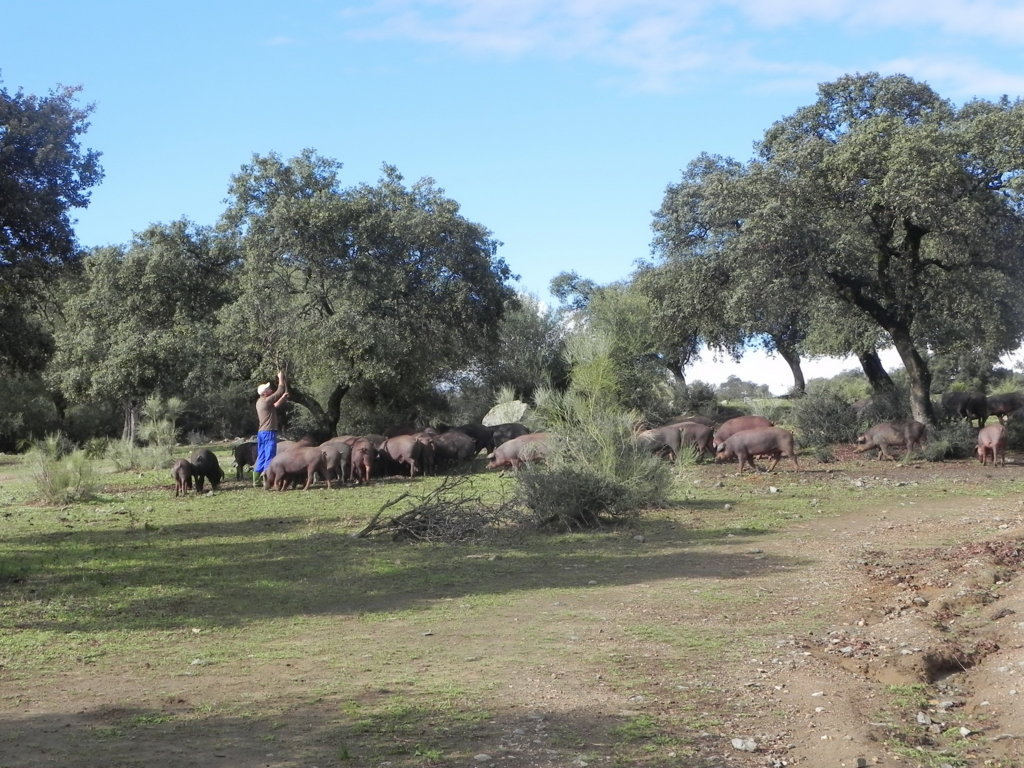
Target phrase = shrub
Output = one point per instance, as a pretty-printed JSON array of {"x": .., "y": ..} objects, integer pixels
[
  {"x": 61, "y": 475},
  {"x": 125, "y": 455},
  {"x": 950, "y": 441},
  {"x": 886, "y": 407},
  {"x": 777, "y": 411},
  {"x": 823, "y": 418},
  {"x": 596, "y": 468}
]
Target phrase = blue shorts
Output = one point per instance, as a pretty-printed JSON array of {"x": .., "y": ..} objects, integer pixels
[{"x": 266, "y": 449}]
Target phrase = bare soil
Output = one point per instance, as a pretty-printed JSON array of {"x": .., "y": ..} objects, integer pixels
[{"x": 913, "y": 655}]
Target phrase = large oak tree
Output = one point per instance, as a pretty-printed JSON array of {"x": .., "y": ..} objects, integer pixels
[
  {"x": 383, "y": 289},
  {"x": 44, "y": 175},
  {"x": 882, "y": 203}
]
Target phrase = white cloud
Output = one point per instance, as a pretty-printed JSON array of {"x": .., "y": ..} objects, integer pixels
[{"x": 662, "y": 41}]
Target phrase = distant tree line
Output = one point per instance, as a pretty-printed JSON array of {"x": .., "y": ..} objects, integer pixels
[{"x": 879, "y": 216}]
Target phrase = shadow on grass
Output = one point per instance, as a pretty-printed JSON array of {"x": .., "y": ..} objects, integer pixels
[
  {"x": 228, "y": 573},
  {"x": 368, "y": 730}
]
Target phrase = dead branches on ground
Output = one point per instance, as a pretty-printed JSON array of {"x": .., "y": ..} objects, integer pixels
[{"x": 450, "y": 513}]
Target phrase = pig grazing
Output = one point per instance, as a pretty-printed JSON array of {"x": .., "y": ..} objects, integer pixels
[
  {"x": 696, "y": 435},
  {"x": 520, "y": 450},
  {"x": 738, "y": 424},
  {"x": 773, "y": 442},
  {"x": 206, "y": 467},
  {"x": 892, "y": 433},
  {"x": 992, "y": 442},
  {"x": 663, "y": 441},
  {"x": 181, "y": 471}
]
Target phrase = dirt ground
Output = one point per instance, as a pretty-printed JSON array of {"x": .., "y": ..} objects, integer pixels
[{"x": 923, "y": 597}]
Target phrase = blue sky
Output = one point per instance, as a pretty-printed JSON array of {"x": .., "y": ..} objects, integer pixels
[{"x": 556, "y": 124}]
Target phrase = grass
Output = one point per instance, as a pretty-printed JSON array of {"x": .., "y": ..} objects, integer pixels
[{"x": 247, "y": 613}]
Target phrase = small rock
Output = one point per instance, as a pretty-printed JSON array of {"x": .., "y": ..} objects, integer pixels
[
  {"x": 772, "y": 489},
  {"x": 640, "y": 538},
  {"x": 923, "y": 719},
  {"x": 745, "y": 745},
  {"x": 483, "y": 757},
  {"x": 965, "y": 732}
]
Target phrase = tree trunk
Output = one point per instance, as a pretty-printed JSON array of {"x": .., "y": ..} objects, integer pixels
[
  {"x": 919, "y": 375},
  {"x": 878, "y": 378},
  {"x": 325, "y": 420},
  {"x": 130, "y": 426},
  {"x": 792, "y": 358}
]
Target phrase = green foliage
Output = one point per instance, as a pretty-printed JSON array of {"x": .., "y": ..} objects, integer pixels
[
  {"x": 159, "y": 433},
  {"x": 60, "y": 474},
  {"x": 892, "y": 406},
  {"x": 28, "y": 410},
  {"x": 823, "y": 418},
  {"x": 776, "y": 410},
  {"x": 955, "y": 440},
  {"x": 141, "y": 320},
  {"x": 44, "y": 175},
  {"x": 735, "y": 388},
  {"x": 597, "y": 469},
  {"x": 879, "y": 212},
  {"x": 698, "y": 397},
  {"x": 381, "y": 291}
]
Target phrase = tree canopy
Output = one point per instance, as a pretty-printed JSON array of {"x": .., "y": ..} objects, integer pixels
[
  {"x": 44, "y": 175},
  {"x": 383, "y": 287},
  {"x": 881, "y": 205}
]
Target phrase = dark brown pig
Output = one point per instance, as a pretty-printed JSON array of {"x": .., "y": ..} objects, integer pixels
[
  {"x": 181, "y": 471},
  {"x": 992, "y": 442},
  {"x": 521, "y": 450},
  {"x": 966, "y": 405},
  {"x": 1005, "y": 405},
  {"x": 453, "y": 447},
  {"x": 892, "y": 433},
  {"x": 773, "y": 442},
  {"x": 245, "y": 456},
  {"x": 738, "y": 424}
]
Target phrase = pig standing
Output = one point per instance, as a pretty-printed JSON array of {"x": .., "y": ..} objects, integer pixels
[
  {"x": 520, "y": 450},
  {"x": 773, "y": 442},
  {"x": 738, "y": 424},
  {"x": 181, "y": 471},
  {"x": 892, "y": 433},
  {"x": 992, "y": 442}
]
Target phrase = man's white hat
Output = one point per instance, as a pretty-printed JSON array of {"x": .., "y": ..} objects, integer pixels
[{"x": 262, "y": 388}]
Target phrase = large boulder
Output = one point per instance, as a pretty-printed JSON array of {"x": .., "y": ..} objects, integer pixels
[{"x": 505, "y": 413}]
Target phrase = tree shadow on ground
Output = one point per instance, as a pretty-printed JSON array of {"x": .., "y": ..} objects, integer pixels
[
  {"x": 231, "y": 573},
  {"x": 368, "y": 729}
]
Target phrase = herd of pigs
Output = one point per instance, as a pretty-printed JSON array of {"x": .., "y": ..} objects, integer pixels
[{"x": 358, "y": 459}]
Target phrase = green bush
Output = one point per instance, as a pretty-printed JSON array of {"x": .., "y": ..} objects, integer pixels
[
  {"x": 950, "y": 441},
  {"x": 61, "y": 475},
  {"x": 125, "y": 455},
  {"x": 776, "y": 410},
  {"x": 886, "y": 407},
  {"x": 596, "y": 469},
  {"x": 823, "y": 418}
]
